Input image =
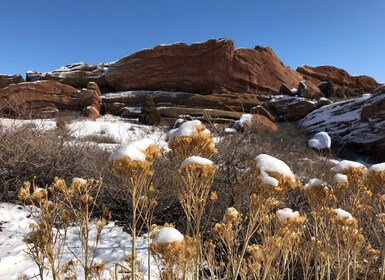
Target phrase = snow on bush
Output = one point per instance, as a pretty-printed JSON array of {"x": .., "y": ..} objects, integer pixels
[
  {"x": 266, "y": 164},
  {"x": 196, "y": 160},
  {"x": 188, "y": 128},
  {"x": 286, "y": 213},
  {"x": 320, "y": 141},
  {"x": 379, "y": 167},
  {"x": 167, "y": 235},
  {"x": 340, "y": 178},
  {"x": 315, "y": 183},
  {"x": 346, "y": 165},
  {"x": 342, "y": 214},
  {"x": 133, "y": 150}
]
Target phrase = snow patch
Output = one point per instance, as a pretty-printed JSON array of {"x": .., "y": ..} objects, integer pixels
[
  {"x": 188, "y": 128},
  {"x": 342, "y": 214},
  {"x": 286, "y": 213},
  {"x": 168, "y": 235},
  {"x": 340, "y": 178},
  {"x": 315, "y": 183},
  {"x": 347, "y": 164}
]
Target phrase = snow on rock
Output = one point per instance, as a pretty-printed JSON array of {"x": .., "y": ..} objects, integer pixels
[
  {"x": 342, "y": 214},
  {"x": 347, "y": 164},
  {"x": 315, "y": 183},
  {"x": 188, "y": 128},
  {"x": 134, "y": 150},
  {"x": 286, "y": 213},
  {"x": 266, "y": 164},
  {"x": 168, "y": 235},
  {"x": 196, "y": 160},
  {"x": 340, "y": 178},
  {"x": 245, "y": 119},
  {"x": 320, "y": 141}
]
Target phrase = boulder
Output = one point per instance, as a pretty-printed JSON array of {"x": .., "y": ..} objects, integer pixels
[
  {"x": 340, "y": 78},
  {"x": 284, "y": 89},
  {"x": 323, "y": 102},
  {"x": 358, "y": 122},
  {"x": 326, "y": 88},
  {"x": 290, "y": 108},
  {"x": 6, "y": 80},
  {"x": 33, "y": 98},
  {"x": 77, "y": 75},
  {"x": 260, "y": 110}
]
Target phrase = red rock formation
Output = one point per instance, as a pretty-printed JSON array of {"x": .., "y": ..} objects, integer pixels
[
  {"x": 340, "y": 78},
  {"x": 49, "y": 96},
  {"x": 6, "y": 80},
  {"x": 211, "y": 67}
]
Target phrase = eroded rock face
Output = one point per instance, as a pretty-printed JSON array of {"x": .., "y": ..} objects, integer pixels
[
  {"x": 77, "y": 75},
  {"x": 358, "y": 122},
  {"x": 6, "y": 80},
  {"x": 340, "y": 78},
  {"x": 211, "y": 67},
  {"x": 49, "y": 96},
  {"x": 130, "y": 102}
]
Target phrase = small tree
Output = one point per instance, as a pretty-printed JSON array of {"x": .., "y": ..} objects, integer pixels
[{"x": 149, "y": 113}]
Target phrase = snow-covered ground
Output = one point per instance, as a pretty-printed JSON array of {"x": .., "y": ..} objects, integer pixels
[
  {"x": 14, "y": 262},
  {"x": 121, "y": 130}
]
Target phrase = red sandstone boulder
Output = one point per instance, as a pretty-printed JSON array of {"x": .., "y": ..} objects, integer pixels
[
  {"x": 6, "y": 80},
  {"x": 340, "y": 78},
  {"x": 32, "y": 98}
]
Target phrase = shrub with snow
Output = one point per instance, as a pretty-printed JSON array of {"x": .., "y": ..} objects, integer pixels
[
  {"x": 188, "y": 128},
  {"x": 267, "y": 165},
  {"x": 346, "y": 165},
  {"x": 315, "y": 183},
  {"x": 134, "y": 150},
  {"x": 342, "y": 214}
]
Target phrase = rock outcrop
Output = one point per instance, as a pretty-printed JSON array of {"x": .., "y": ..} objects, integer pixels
[
  {"x": 6, "y": 80},
  {"x": 45, "y": 98},
  {"x": 211, "y": 67},
  {"x": 292, "y": 108},
  {"x": 358, "y": 122},
  {"x": 77, "y": 75},
  {"x": 341, "y": 79}
]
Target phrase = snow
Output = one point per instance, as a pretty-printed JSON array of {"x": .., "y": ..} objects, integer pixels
[
  {"x": 286, "y": 213},
  {"x": 188, "y": 128},
  {"x": 320, "y": 141},
  {"x": 379, "y": 167},
  {"x": 133, "y": 150},
  {"x": 230, "y": 130},
  {"x": 342, "y": 214},
  {"x": 167, "y": 235},
  {"x": 315, "y": 183},
  {"x": 266, "y": 164},
  {"x": 196, "y": 160},
  {"x": 81, "y": 181},
  {"x": 340, "y": 178},
  {"x": 120, "y": 130},
  {"x": 115, "y": 243},
  {"x": 347, "y": 164}
]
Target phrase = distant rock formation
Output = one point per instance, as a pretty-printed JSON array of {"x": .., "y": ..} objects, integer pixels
[
  {"x": 77, "y": 75},
  {"x": 342, "y": 82},
  {"x": 47, "y": 97},
  {"x": 211, "y": 67},
  {"x": 6, "y": 80},
  {"x": 357, "y": 122}
]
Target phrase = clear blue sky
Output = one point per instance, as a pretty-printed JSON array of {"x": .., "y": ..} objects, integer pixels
[{"x": 44, "y": 35}]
